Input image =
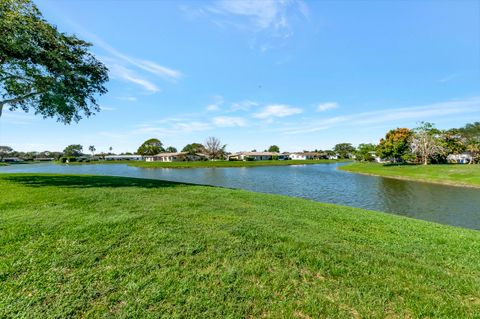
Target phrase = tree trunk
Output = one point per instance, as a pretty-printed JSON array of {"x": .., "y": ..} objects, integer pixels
[
  {"x": 1, "y": 108},
  {"x": 425, "y": 160}
]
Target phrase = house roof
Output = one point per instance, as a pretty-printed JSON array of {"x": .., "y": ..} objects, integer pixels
[
  {"x": 256, "y": 154},
  {"x": 166, "y": 154}
]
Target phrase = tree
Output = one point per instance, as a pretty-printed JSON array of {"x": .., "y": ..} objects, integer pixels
[
  {"x": 92, "y": 149},
  {"x": 344, "y": 150},
  {"x": 194, "y": 148},
  {"x": 73, "y": 150},
  {"x": 171, "y": 149},
  {"x": 152, "y": 146},
  {"x": 453, "y": 142},
  {"x": 396, "y": 144},
  {"x": 214, "y": 148},
  {"x": 110, "y": 149},
  {"x": 5, "y": 151},
  {"x": 43, "y": 69},
  {"x": 473, "y": 148},
  {"x": 274, "y": 148},
  {"x": 363, "y": 152},
  {"x": 426, "y": 142}
]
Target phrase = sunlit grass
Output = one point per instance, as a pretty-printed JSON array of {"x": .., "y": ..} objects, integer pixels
[
  {"x": 90, "y": 246},
  {"x": 453, "y": 174}
]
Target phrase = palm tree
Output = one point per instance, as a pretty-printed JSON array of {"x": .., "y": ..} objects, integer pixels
[{"x": 92, "y": 149}]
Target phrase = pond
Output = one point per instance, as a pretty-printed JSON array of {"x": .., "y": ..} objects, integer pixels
[{"x": 456, "y": 206}]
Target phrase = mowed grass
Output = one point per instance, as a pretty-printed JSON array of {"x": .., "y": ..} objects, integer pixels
[
  {"x": 91, "y": 246},
  {"x": 451, "y": 174},
  {"x": 211, "y": 164}
]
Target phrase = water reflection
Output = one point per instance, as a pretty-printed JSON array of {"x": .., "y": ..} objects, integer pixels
[{"x": 443, "y": 204}]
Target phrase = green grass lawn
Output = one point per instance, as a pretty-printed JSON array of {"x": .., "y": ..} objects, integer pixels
[
  {"x": 206, "y": 164},
  {"x": 451, "y": 174},
  {"x": 91, "y": 246}
]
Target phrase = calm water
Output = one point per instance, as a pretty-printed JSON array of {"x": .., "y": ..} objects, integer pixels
[{"x": 443, "y": 204}]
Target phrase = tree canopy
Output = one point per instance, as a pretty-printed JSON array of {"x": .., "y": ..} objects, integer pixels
[
  {"x": 45, "y": 70},
  {"x": 194, "y": 148},
  {"x": 73, "y": 150},
  {"x": 344, "y": 150},
  {"x": 214, "y": 148},
  {"x": 171, "y": 149},
  {"x": 395, "y": 145},
  {"x": 363, "y": 152},
  {"x": 152, "y": 146},
  {"x": 274, "y": 148}
]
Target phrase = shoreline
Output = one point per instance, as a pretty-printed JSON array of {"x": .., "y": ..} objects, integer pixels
[{"x": 411, "y": 179}]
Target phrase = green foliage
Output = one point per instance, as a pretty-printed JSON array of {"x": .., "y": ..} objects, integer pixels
[
  {"x": 395, "y": 145},
  {"x": 73, "y": 150},
  {"x": 5, "y": 151},
  {"x": 43, "y": 69},
  {"x": 98, "y": 247},
  {"x": 171, "y": 149},
  {"x": 344, "y": 150},
  {"x": 152, "y": 146},
  {"x": 363, "y": 152},
  {"x": 68, "y": 159},
  {"x": 194, "y": 148},
  {"x": 274, "y": 148}
]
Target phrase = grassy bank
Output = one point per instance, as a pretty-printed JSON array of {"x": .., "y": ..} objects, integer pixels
[
  {"x": 85, "y": 246},
  {"x": 450, "y": 174}
]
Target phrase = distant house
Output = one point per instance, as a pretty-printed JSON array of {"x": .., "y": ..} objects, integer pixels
[
  {"x": 257, "y": 156},
  {"x": 332, "y": 157},
  {"x": 377, "y": 158},
  {"x": 307, "y": 156},
  {"x": 463, "y": 158},
  {"x": 175, "y": 157},
  {"x": 11, "y": 159},
  {"x": 123, "y": 157}
]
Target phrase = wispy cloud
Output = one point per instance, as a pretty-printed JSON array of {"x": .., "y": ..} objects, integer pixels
[
  {"x": 215, "y": 106},
  {"x": 277, "y": 110},
  {"x": 107, "y": 108},
  {"x": 270, "y": 22},
  {"x": 243, "y": 105},
  {"x": 448, "y": 78},
  {"x": 229, "y": 121},
  {"x": 326, "y": 106},
  {"x": 417, "y": 113},
  {"x": 127, "y": 98},
  {"x": 123, "y": 73}
]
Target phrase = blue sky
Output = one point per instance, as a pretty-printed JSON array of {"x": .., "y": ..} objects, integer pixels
[{"x": 299, "y": 74}]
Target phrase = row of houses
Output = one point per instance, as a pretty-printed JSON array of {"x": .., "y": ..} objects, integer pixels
[{"x": 239, "y": 156}]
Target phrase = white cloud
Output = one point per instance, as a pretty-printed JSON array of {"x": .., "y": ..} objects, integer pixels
[
  {"x": 107, "y": 108},
  {"x": 229, "y": 121},
  {"x": 416, "y": 113},
  {"x": 127, "y": 98},
  {"x": 212, "y": 107},
  {"x": 326, "y": 106},
  {"x": 277, "y": 110},
  {"x": 121, "y": 72},
  {"x": 243, "y": 105},
  {"x": 215, "y": 106},
  {"x": 263, "y": 15}
]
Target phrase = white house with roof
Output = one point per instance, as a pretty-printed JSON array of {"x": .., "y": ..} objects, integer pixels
[
  {"x": 463, "y": 158},
  {"x": 306, "y": 155},
  {"x": 175, "y": 157},
  {"x": 257, "y": 156}
]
